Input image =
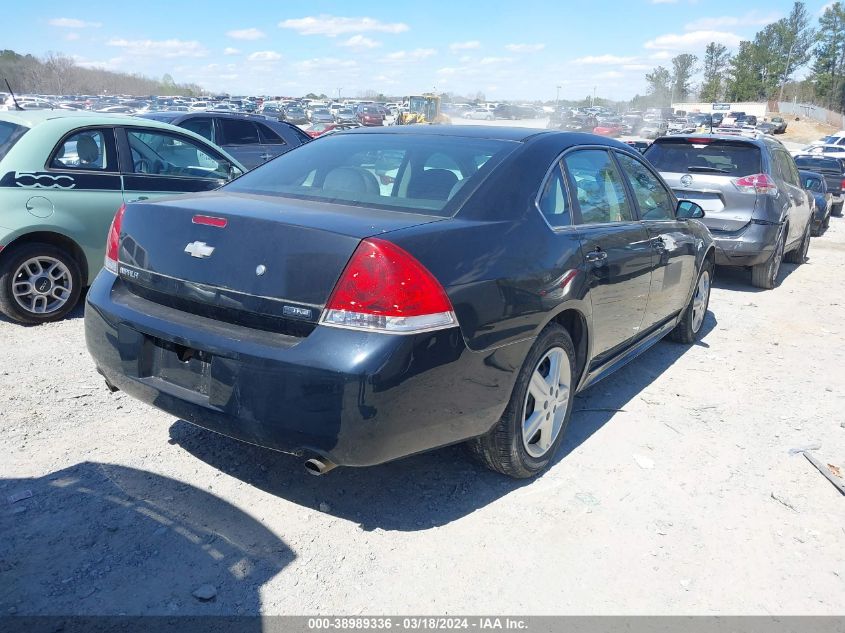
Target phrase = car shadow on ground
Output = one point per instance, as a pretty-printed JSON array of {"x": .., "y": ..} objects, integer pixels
[
  {"x": 101, "y": 539},
  {"x": 738, "y": 278},
  {"x": 421, "y": 491}
]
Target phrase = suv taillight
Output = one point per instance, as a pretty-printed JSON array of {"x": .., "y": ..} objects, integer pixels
[
  {"x": 384, "y": 288},
  {"x": 113, "y": 240},
  {"x": 757, "y": 183}
]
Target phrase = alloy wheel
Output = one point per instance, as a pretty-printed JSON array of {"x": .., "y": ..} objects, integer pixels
[
  {"x": 546, "y": 402},
  {"x": 42, "y": 285},
  {"x": 699, "y": 300}
]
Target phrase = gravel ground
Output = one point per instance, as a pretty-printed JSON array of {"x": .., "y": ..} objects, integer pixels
[{"x": 674, "y": 493}]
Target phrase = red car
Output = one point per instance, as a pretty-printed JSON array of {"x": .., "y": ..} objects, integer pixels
[
  {"x": 608, "y": 128},
  {"x": 319, "y": 128},
  {"x": 370, "y": 115}
]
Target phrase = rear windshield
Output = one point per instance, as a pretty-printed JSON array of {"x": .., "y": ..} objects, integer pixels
[
  {"x": 418, "y": 174},
  {"x": 814, "y": 164},
  {"x": 10, "y": 134},
  {"x": 717, "y": 157}
]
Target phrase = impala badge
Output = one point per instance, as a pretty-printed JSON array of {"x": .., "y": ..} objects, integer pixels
[{"x": 200, "y": 250}]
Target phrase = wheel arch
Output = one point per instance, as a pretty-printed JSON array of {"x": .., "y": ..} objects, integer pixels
[
  {"x": 54, "y": 239},
  {"x": 575, "y": 323}
]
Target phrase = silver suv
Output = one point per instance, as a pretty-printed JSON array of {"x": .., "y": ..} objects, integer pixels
[{"x": 751, "y": 192}]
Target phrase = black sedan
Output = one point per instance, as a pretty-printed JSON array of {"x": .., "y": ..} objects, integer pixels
[
  {"x": 252, "y": 139},
  {"x": 387, "y": 291}
]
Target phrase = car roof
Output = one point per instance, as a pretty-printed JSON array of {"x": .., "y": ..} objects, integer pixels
[
  {"x": 31, "y": 118},
  {"x": 465, "y": 131},
  {"x": 760, "y": 141}
]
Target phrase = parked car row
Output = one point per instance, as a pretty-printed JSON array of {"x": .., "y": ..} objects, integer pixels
[{"x": 492, "y": 273}]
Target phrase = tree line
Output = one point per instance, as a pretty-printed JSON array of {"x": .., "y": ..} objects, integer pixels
[
  {"x": 762, "y": 68},
  {"x": 59, "y": 75}
]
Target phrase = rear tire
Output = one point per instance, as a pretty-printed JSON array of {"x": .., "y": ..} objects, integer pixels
[
  {"x": 689, "y": 327},
  {"x": 799, "y": 254},
  {"x": 765, "y": 275},
  {"x": 531, "y": 429},
  {"x": 39, "y": 283}
]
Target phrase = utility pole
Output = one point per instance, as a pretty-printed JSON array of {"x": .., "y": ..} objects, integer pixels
[
  {"x": 786, "y": 71},
  {"x": 593, "y": 100},
  {"x": 557, "y": 97},
  {"x": 338, "y": 93}
]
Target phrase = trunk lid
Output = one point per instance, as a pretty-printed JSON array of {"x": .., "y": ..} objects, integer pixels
[
  {"x": 278, "y": 258},
  {"x": 725, "y": 207},
  {"x": 703, "y": 169}
]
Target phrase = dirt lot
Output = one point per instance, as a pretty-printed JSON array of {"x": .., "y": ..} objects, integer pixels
[{"x": 674, "y": 494}]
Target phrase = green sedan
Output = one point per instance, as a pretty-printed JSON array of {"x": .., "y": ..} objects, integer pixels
[{"x": 63, "y": 175}]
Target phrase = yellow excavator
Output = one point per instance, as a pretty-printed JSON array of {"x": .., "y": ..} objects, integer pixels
[{"x": 424, "y": 108}]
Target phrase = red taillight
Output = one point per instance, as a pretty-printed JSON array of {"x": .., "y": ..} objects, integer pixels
[
  {"x": 842, "y": 184},
  {"x": 384, "y": 288},
  {"x": 700, "y": 141},
  {"x": 208, "y": 220},
  {"x": 113, "y": 240},
  {"x": 757, "y": 183}
]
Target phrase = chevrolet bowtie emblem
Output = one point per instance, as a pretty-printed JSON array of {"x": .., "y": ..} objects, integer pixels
[{"x": 200, "y": 250}]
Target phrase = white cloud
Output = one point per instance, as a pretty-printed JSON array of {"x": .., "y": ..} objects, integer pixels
[
  {"x": 414, "y": 55},
  {"x": 264, "y": 56},
  {"x": 603, "y": 59},
  {"x": 160, "y": 48},
  {"x": 325, "y": 64},
  {"x": 661, "y": 55},
  {"x": 70, "y": 37},
  {"x": 246, "y": 34},
  {"x": 486, "y": 61},
  {"x": 752, "y": 18},
  {"x": 610, "y": 74},
  {"x": 73, "y": 23},
  {"x": 525, "y": 48},
  {"x": 465, "y": 46},
  {"x": 664, "y": 1},
  {"x": 360, "y": 42},
  {"x": 636, "y": 67},
  {"x": 332, "y": 26},
  {"x": 693, "y": 40},
  {"x": 231, "y": 51}
]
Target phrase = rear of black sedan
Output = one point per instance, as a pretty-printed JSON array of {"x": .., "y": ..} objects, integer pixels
[{"x": 359, "y": 299}]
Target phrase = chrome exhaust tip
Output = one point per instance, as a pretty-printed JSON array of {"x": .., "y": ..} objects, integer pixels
[{"x": 317, "y": 466}]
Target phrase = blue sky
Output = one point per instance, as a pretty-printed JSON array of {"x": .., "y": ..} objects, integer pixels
[{"x": 506, "y": 50}]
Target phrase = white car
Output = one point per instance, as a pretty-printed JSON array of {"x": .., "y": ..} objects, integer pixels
[
  {"x": 829, "y": 151},
  {"x": 479, "y": 114}
]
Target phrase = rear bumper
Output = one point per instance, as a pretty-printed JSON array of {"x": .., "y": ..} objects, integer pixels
[
  {"x": 355, "y": 398},
  {"x": 749, "y": 246}
]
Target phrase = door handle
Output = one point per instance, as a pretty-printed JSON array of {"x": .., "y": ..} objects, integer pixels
[
  {"x": 597, "y": 256},
  {"x": 139, "y": 199}
]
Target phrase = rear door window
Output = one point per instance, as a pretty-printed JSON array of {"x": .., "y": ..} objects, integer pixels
[
  {"x": 731, "y": 158},
  {"x": 200, "y": 125},
  {"x": 238, "y": 132},
  {"x": 653, "y": 198},
  {"x": 166, "y": 154},
  {"x": 599, "y": 188}
]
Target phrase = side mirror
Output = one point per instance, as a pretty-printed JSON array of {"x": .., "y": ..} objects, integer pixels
[
  {"x": 689, "y": 210},
  {"x": 234, "y": 172}
]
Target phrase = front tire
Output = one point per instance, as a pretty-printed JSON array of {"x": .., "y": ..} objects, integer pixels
[
  {"x": 39, "y": 283},
  {"x": 531, "y": 429},
  {"x": 689, "y": 327}
]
